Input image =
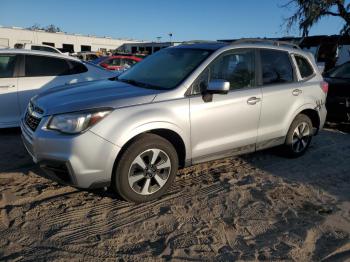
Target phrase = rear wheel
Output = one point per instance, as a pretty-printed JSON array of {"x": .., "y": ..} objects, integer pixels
[
  {"x": 146, "y": 169},
  {"x": 299, "y": 136}
]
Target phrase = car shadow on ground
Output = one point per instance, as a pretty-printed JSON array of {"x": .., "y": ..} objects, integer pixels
[{"x": 326, "y": 164}]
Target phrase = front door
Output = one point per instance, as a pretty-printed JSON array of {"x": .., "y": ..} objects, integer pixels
[{"x": 226, "y": 124}]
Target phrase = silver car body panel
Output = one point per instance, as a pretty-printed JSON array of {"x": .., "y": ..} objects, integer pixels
[{"x": 209, "y": 130}]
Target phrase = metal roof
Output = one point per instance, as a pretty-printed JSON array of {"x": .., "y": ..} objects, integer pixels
[{"x": 35, "y": 52}]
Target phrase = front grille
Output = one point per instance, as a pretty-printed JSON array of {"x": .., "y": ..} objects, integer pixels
[{"x": 31, "y": 121}]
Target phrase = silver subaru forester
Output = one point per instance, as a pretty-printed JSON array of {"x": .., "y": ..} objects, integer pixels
[{"x": 178, "y": 107}]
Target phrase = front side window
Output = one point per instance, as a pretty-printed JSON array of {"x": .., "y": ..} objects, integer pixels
[
  {"x": 45, "y": 66},
  {"x": 304, "y": 66},
  {"x": 7, "y": 65},
  {"x": 165, "y": 69},
  {"x": 276, "y": 67},
  {"x": 237, "y": 67}
]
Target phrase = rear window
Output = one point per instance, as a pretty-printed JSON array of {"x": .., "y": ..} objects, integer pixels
[
  {"x": 304, "y": 66},
  {"x": 276, "y": 67},
  {"x": 45, "y": 66},
  {"x": 7, "y": 65}
]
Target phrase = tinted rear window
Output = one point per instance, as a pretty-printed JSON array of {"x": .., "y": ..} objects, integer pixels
[
  {"x": 304, "y": 66},
  {"x": 45, "y": 66},
  {"x": 276, "y": 67}
]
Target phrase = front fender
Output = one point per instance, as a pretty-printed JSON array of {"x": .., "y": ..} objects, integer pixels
[
  {"x": 146, "y": 127},
  {"x": 125, "y": 123}
]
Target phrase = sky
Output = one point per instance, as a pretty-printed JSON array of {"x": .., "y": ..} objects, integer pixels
[{"x": 149, "y": 19}]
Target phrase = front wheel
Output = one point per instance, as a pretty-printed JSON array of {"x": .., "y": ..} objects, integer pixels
[
  {"x": 299, "y": 136},
  {"x": 146, "y": 169}
]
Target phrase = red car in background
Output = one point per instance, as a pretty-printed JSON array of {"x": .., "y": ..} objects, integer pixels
[{"x": 117, "y": 62}]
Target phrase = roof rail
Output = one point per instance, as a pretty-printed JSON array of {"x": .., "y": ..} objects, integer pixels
[
  {"x": 267, "y": 41},
  {"x": 190, "y": 42}
]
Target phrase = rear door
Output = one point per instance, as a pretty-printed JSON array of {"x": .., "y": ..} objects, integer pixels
[
  {"x": 40, "y": 73},
  {"x": 9, "y": 108},
  {"x": 282, "y": 96}
]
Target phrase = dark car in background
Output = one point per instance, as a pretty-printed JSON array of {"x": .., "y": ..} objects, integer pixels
[
  {"x": 338, "y": 99},
  {"x": 117, "y": 62}
]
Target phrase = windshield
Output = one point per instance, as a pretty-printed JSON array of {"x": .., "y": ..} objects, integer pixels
[
  {"x": 165, "y": 69},
  {"x": 342, "y": 71}
]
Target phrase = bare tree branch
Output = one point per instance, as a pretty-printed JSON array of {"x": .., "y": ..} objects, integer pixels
[{"x": 308, "y": 12}]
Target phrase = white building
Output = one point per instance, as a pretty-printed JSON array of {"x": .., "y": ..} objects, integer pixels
[
  {"x": 71, "y": 43},
  {"x": 146, "y": 47}
]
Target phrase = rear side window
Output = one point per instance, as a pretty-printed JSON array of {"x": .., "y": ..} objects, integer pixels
[
  {"x": 7, "y": 65},
  {"x": 304, "y": 66},
  {"x": 276, "y": 67},
  {"x": 45, "y": 66},
  {"x": 78, "y": 68}
]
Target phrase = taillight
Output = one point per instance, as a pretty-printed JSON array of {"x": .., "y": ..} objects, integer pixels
[{"x": 324, "y": 86}]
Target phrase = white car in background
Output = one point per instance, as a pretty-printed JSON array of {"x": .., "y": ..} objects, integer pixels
[{"x": 25, "y": 73}]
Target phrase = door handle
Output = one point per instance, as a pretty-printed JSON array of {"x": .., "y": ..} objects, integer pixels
[
  {"x": 296, "y": 92},
  {"x": 253, "y": 100},
  {"x": 7, "y": 86}
]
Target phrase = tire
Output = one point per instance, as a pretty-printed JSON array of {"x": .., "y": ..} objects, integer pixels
[
  {"x": 298, "y": 138},
  {"x": 140, "y": 176}
]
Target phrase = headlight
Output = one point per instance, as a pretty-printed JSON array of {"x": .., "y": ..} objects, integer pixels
[{"x": 74, "y": 123}]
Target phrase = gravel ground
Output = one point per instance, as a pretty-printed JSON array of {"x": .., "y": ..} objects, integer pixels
[{"x": 256, "y": 207}]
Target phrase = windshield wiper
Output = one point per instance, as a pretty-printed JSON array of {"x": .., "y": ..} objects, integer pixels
[{"x": 139, "y": 84}]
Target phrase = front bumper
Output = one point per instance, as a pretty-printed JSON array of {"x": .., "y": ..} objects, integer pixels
[{"x": 85, "y": 160}]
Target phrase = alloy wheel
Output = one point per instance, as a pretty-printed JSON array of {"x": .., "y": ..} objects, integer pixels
[
  {"x": 149, "y": 171},
  {"x": 301, "y": 137}
]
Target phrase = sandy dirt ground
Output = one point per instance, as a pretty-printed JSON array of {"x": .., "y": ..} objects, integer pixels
[{"x": 256, "y": 207}]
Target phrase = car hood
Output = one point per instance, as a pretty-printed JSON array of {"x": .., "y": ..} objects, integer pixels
[
  {"x": 338, "y": 87},
  {"x": 91, "y": 95}
]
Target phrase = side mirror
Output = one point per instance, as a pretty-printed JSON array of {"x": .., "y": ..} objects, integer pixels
[{"x": 218, "y": 86}]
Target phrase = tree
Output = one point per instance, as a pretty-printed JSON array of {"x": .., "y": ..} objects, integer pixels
[
  {"x": 50, "y": 28},
  {"x": 309, "y": 12}
]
